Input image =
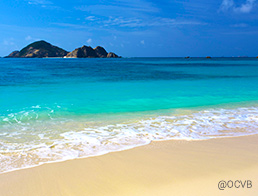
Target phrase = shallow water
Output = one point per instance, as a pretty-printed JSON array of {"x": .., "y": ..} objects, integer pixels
[{"x": 59, "y": 109}]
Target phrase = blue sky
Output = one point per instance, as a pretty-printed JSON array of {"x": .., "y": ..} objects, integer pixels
[{"x": 134, "y": 27}]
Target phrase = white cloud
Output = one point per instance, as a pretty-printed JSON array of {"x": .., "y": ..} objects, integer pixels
[
  {"x": 91, "y": 18},
  {"x": 28, "y": 38},
  {"x": 114, "y": 9},
  {"x": 69, "y": 25},
  {"x": 133, "y": 23},
  {"x": 125, "y": 22},
  {"x": 39, "y": 2},
  {"x": 226, "y": 5},
  {"x": 240, "y": 25},
  {"x": 136, "y": 14},
  {"x": 8, "y": 43},
  {"x": 245, "y": 7},
  {"x": 89, "y": 41},
  {"x": 118, "y": 6},
  {"x": 44, "y": 4},
  {"x": 151, "y": 22},
  {"x": 142, "y": 42}
]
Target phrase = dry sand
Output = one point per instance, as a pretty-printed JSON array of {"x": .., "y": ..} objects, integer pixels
[{"x": 160, "y": 168}]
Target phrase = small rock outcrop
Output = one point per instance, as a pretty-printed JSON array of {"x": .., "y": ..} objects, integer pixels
[
  {"x": 83, "y": 52},
  {"x": 101, "y": 52},
  {"x": 14, "y": 54},
  {"x": 39, "y": 49},
  {"x": 89, "y": 52},
  {"x": 112, "y": 55}
]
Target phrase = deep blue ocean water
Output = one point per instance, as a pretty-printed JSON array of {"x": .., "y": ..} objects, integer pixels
[{"x": 57, "y": 109}]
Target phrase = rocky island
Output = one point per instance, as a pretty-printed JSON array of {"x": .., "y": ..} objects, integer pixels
[
  {"x": 43, "y": 49},
  {"x": 39, "y": 49},
  {"x": 89, "y": 52}
]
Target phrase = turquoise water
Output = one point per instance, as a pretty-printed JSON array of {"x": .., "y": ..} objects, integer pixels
[
  {"x": 58, "y": 109},
  {"x": 93, "y": 86}
]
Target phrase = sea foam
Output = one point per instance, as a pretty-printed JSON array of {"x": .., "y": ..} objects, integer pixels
[{"x": 30, "y": 144}]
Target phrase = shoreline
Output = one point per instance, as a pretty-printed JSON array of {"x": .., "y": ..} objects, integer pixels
[
  {"x": 125, "y": 149},
  {"x": 164, "y": 167},
  {"x": 192, "y": 132}
]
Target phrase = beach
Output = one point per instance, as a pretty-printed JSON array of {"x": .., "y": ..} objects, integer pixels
[
  {"x": 128, "y": 98},
  {"x": 128, "y": 126},
  {"x": 175, "y": 167}
]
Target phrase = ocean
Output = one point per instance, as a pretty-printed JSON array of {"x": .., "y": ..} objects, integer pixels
[{"x": 60, "y": 109}]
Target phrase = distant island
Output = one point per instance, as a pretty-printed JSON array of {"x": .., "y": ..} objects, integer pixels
[{"x": 43, "y": 49}]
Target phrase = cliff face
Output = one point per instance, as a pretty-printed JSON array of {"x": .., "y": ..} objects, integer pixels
[
  {"x": 89, "y": 52},
  {"x": 38, "y": 49}
]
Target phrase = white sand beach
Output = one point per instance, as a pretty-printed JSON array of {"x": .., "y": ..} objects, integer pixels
[{"x": 173, "y": 167}]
